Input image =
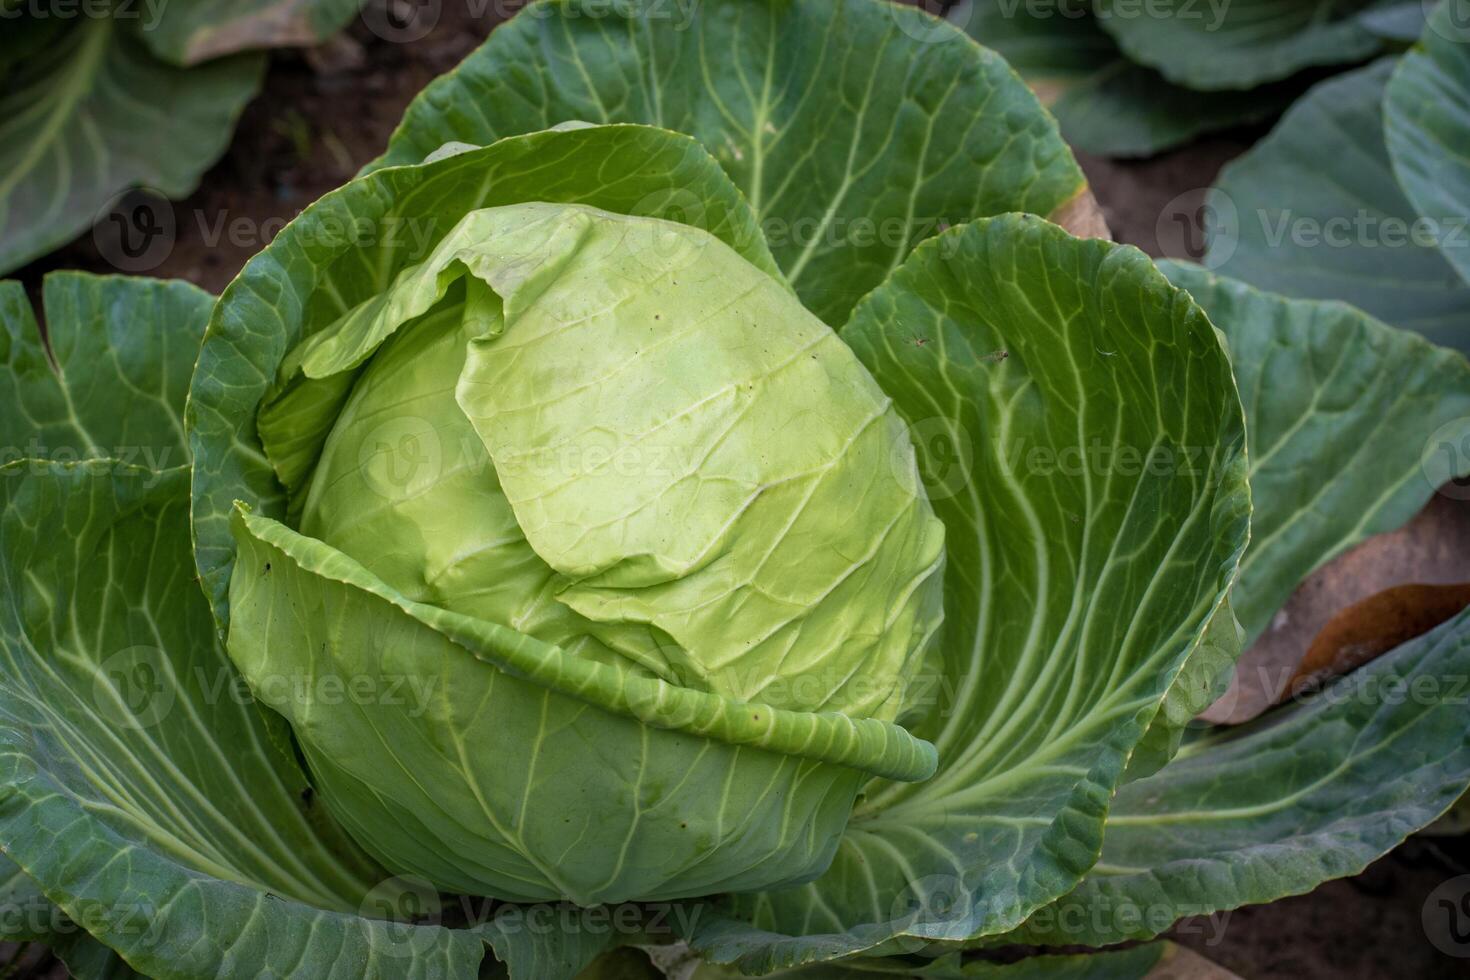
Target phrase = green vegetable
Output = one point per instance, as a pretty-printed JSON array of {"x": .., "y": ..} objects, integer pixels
[
  {"x": 615, "y": 436},
  {"x": 589, "y": 512}
]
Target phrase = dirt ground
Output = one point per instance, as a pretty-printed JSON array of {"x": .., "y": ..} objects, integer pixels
[{"x": 323, "y": 115}]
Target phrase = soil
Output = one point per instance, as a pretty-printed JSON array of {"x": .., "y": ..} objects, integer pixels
[{"x": 323, "y": 114}]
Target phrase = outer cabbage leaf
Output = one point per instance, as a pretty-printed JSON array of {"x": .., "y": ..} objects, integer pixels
[
  {"x": 99, "y": 390},
  {"x": 1339, "y": 408},
  {"x": 1205, "y": 678},
  {"x": 852, "y": 134},
  {"x": 93, "y": 113},
  {"x": 1266, "y": 813},
  {"x": 113, "y": 381},
  {"x": 1427, "y": 124},
  {"x": 347, "y": 248},
  {"x": 1314, "y": 790},
  {"x": 27, "y": 915},
  {"x": 1315, "y": 211},
  {"x": 1240, "y": 44},
  {"x": 143, "y": 793},
  {"x": 186, "y": 34},
  {"x": 1018, "y": 354}
]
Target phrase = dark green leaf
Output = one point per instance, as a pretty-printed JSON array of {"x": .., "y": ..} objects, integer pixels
[
  {"x": 94, "y": 113},
  {"x": 1241, "y": 43},
  {"x": 1312, "y": 791},
  {"x": 855, "y": 128},
  {"x": 1427, "y": 125},
  {"x": 1340, "y": 411},
  {"x": 1315, "y": 211},
  {"x": 1038, "y": 372}
]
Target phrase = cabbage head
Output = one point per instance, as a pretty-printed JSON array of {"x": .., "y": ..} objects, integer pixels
[{"x": 681, "y": 518}]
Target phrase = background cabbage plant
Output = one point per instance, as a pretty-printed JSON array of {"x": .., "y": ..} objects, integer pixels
[
  {"x": 100, "y": 97},
  {"x": 1372, "y": 163},
  {"x": 1131, "y": 80}
]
